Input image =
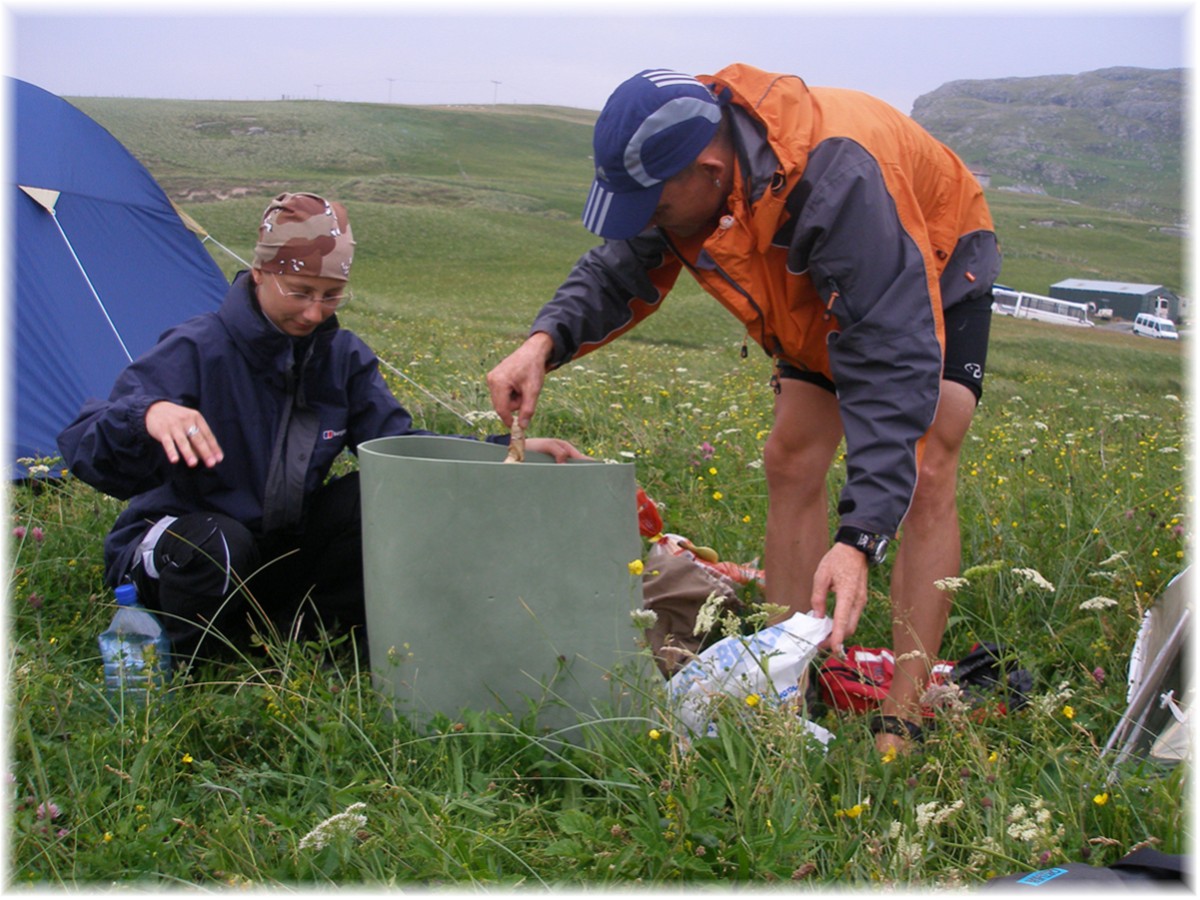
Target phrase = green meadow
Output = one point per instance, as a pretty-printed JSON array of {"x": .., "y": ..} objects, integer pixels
[{"x": 286, "y": 769}]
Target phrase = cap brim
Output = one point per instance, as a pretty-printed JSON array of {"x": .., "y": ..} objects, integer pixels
[{"x": 620, "y": 216}]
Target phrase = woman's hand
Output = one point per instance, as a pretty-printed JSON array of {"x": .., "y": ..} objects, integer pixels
[{"x": 183, "y": 433}]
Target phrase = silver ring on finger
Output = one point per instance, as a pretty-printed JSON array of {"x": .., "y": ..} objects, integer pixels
[{"x": 193, "y": 431}]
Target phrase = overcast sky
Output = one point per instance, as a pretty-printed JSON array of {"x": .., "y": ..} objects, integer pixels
[{"x": 534, "y": 53}]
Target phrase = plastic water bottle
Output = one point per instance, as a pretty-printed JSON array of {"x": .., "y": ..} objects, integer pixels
[{"x": 136, "y": 652}]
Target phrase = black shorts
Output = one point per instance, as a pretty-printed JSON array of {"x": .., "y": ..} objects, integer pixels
[{"x": 967, "y": 327}]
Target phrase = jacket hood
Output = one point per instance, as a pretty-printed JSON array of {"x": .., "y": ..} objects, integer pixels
[
  {"x": 780, "y": 111},
  {"x": 773, "y": 144}
]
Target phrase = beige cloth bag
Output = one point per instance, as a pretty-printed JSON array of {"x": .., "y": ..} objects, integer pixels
[{"x": 675, "y": 587}]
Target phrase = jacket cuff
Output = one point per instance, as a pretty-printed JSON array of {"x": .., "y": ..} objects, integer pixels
[{"x": 135, "y": 416}]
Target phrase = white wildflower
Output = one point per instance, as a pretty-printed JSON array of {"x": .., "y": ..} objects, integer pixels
[
  {"x": 925, "y": 815},
  {"x": 709, "y": 613},
  {"x": 1024, "y": 830},
  {"x": 1115, "y": 558},
  {"x": 1049, "y": 704},
  {"x": 944, "y": 814},
  {"x": 1098, "y": 603},
  {"x": 628, "y": 454},
  {"x": 481, "y": 415},
  {"x": 909, "y": 852},
  {"x": 1168, "y": 449},
  {"x": 338, "y": 825},
  {"x": 989, "y": 847},
  {"x": 1034, "y": 577},
  {"x": 951, "y": 585},
  {"x": 1041, "y": 426},
  {"x": 643, "y": 618},
  {"x": 1021, "y": 827},
  {"x": 1171, "y": 397}
]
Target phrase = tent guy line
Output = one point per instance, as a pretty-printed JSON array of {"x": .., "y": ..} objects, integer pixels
[{"x": 47, "y": 199}]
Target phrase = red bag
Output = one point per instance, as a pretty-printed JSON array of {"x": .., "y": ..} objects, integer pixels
[{"x": 861, "y": 681}]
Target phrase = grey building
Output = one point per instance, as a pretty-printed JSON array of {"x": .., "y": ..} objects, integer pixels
[{"x": 1124, "y": 299}]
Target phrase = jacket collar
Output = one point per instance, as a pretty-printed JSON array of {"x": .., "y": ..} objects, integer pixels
[{"x": 256, "y": 337}]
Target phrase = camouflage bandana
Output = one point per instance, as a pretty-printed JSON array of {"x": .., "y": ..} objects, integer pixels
[{"x": 303, "y": 234}]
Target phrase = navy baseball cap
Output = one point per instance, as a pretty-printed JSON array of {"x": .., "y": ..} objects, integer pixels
[{"x": 653, "y": 126}]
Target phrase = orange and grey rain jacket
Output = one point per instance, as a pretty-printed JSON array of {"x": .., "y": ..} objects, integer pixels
[{"x": 849, "y": 231}]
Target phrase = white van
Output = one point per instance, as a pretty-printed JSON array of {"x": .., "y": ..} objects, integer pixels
[{"x": 1155, "y": 326}]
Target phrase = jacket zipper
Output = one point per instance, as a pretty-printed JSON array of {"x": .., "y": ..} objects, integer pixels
[{"x": 762, "y": 320}]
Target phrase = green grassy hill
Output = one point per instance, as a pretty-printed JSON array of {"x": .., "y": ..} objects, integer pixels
[
  {"x": 1112, "y": 138},
  {"x": 484, "y": 201}
]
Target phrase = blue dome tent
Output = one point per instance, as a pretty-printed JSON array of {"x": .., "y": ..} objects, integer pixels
[{"x": 103, "y": 265}]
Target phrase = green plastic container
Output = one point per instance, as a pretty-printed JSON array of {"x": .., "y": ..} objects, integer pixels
[{"x": 494, "y": 586}]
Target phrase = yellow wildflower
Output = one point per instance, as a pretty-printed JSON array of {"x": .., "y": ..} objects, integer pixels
[
  {"x": 187, "y": 759},
  {"x": 1069, "y": 712},
  {"x": 752, "y": 700},
  {"x": 636, "y": 567},
  {"x": 1100, "y": 799},
  {"x": 655, "y": 734}
]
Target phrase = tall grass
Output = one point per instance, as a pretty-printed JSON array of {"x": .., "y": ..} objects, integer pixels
[
  {"x": 285, "y": 767},
  {"x": 1073, "y": 469}
]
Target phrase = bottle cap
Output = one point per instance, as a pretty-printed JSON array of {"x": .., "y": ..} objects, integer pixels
[{"x": 126, "y": 595}]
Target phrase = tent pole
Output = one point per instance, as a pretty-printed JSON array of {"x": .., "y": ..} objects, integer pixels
[
  {"x": 91, "y": 287},
  {"x": 209, "y": 237},
  {"x": 428, "y": 393}
]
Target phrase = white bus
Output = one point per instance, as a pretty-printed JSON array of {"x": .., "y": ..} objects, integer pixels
[{"x": 1008, "y": 302}]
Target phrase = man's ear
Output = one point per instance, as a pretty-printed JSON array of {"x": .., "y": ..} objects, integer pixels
[{"x": 716, "y": 166}]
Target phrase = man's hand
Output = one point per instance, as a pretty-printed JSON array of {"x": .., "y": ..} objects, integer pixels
[
  {"x": 843, "y": 573},
  {"x": 559, "y": 449},
  {"x": 517, "y": 381},
  {"x": 183, "y": 433}
]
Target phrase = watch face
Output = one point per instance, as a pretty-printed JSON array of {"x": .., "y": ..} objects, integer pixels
[{"x": 873, "y": 546}]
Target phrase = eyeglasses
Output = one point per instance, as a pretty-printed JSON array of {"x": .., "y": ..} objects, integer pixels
[{"x": 329, "y": 301}]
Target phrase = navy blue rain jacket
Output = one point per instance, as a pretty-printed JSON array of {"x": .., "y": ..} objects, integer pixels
[{"x": 244, "y": 376}]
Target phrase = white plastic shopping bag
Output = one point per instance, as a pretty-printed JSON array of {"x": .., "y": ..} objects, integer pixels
[{"x": 768, "y": 664}]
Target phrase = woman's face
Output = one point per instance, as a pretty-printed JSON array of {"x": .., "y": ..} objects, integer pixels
[{"x": 297, "y": 304}]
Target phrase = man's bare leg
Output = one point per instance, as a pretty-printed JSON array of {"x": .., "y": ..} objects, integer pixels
[
  {"x": 797, "y": 457},
  {"x": 929, "y": 550}
]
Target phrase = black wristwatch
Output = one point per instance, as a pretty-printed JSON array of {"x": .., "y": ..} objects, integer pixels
[{"x": 873, "y": 546}]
